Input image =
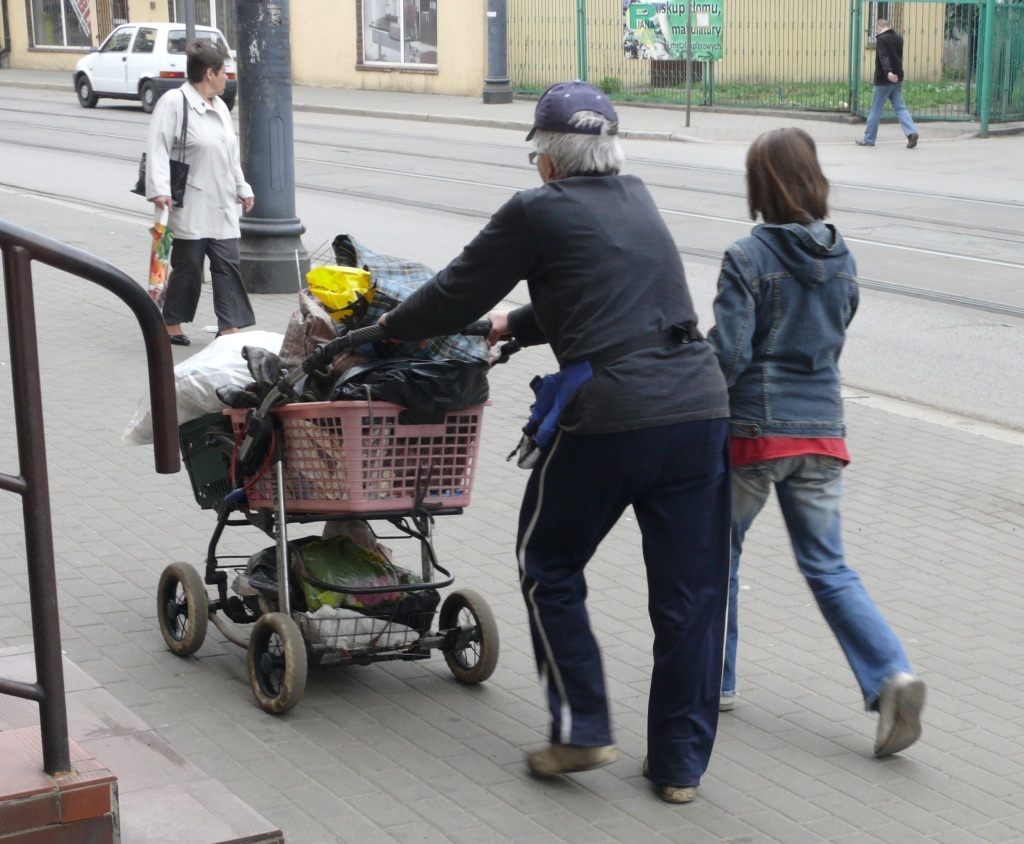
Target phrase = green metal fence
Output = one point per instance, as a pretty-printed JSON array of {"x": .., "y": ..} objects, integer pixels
[{"x": 809, "y": 55}]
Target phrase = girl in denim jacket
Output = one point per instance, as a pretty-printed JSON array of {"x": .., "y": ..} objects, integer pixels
[{"x": 786, "y": 295}]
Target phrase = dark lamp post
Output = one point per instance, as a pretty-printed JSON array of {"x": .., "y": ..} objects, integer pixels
[
  {"x": 271, "y": 250},
  {"x": 497, "y": 87}
]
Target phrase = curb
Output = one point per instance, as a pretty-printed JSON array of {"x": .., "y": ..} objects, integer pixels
[{"x": 970, "y": 132}]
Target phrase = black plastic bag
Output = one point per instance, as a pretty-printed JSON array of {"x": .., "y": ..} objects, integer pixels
[{"x": 427, "y": 389}]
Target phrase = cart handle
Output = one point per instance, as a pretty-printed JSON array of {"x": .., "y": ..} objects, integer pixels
[{"x": 482, "y": 328}]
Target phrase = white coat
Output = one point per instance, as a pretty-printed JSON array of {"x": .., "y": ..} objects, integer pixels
[{"x": 215, "y": 178}]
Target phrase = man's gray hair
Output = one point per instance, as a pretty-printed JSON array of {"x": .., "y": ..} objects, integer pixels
[{"x": 579, "y": 154}]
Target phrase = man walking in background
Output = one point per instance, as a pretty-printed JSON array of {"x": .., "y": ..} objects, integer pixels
[{"x": 888, "y": 85}]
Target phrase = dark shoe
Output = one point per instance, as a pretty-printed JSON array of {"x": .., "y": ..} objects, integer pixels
[
  {"x": 899, "y": 714},
  {"x": 558, "y": 759},
  {"x": 179, "y": 340},
  {"x": 912, "y": 140},
  {"x": 672, "y": 793},
  {"x": 862, "y": 143}
]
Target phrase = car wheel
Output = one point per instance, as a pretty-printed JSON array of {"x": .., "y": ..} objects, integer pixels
[
  {"x": 148, "y": 95},
  {"x": 86, "y": 95}
]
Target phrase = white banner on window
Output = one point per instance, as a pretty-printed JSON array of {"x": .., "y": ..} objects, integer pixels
[{"x": 83, "y": 14}]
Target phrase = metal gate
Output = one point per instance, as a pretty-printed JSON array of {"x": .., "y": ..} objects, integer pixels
[{"x": 808, "y": 55}]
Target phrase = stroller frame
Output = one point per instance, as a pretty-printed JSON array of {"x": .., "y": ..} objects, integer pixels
[{"x": 284, "y": 644}]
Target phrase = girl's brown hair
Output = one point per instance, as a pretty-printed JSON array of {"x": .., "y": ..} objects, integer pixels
[{"x": 784, "y": 180}]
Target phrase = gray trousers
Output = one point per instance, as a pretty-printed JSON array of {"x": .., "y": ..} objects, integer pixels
[{"x": 230, "y": 301}]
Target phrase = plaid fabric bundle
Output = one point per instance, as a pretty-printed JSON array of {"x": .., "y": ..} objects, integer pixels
[
  {"x": 309, "y": 328},
  {"x": 394, "y": 279}
]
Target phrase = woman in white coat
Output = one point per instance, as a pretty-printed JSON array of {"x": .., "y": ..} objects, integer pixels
[{"x": 207, "y": 223}]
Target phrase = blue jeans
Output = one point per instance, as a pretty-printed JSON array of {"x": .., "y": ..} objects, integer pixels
[
  {"x": 892, "y": 91},
  {"x": 809, "y": 488}
]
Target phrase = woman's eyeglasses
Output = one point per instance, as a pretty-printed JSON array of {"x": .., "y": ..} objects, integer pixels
[{"x": 533, "y": 156}]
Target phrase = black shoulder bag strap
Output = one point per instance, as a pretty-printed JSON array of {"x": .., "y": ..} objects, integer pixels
[{"x": 184, "y": 127}]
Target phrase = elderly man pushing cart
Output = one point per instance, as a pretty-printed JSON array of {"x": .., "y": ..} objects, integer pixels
[{"x": 637, "y": 415}]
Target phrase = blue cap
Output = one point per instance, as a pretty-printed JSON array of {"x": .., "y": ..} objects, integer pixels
[{"x": 562, "y": 100}]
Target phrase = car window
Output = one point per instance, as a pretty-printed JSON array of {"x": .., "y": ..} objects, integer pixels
[
  {"x": 145, "y": 41},
  {"x": 176, "y": 39},
  {"x": 118, "y": 41}
]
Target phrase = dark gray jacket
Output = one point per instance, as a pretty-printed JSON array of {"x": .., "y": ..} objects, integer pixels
[{"x": 602, "y": 269}]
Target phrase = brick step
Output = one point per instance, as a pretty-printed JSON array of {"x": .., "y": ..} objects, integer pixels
[{"x": 128, "y": 785}]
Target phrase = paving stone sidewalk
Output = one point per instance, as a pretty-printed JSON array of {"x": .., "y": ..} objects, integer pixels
[{"x": 399, "y": 752}]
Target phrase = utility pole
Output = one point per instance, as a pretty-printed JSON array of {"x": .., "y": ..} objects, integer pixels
[
  {"x": 271, "y": 251},
  {"x": 689, "y": 58},
  {"x": 497, "y": 87}
]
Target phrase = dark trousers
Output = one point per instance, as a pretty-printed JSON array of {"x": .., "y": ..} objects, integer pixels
[
  {"x": 230, "y": 301},
  {"x": 676, "y": 477}
]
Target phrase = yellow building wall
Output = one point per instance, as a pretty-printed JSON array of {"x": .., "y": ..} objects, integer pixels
[
  {"x": 765, "y": 40},
  {"x": 144, "y": 11},
  {"x": 323, "y": 47},
  {"x": 324, "y": 50}
]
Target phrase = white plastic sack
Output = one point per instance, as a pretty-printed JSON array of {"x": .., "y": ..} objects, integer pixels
[
  {"x": 345, "y": 629},
  {"x": 197, "y": 379}
]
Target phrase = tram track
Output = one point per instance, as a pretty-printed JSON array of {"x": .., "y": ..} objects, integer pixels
[
  {"x": 1014, "y": 235},
  {"x": 633, "y": 160},
  {"x": 350, "y": 141},
  {"x": 893, "y": 288}
]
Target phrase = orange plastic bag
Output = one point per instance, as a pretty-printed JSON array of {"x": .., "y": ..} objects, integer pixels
[{"x": 160, "y": 257}]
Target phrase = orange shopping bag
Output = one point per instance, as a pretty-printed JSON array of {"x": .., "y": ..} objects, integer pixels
[{"x": 160, "y": 256}]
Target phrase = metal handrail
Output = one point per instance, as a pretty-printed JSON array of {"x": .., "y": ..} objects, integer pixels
[{"x": 19, "y": 248}]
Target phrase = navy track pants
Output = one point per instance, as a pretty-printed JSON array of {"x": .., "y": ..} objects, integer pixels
[{"x": 676, "y": 477}]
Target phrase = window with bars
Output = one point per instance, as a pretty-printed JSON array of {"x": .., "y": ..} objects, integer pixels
[{"x": 891, "y": 12}]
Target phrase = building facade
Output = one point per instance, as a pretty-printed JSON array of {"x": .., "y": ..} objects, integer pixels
[{"x": 418, "y": 46}]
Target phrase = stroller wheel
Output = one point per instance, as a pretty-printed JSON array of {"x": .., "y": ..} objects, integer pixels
[
  {"x": 277, "y": 663},
  {"x": 182, "y": 608},
  {"x": 474, "y": 655}
]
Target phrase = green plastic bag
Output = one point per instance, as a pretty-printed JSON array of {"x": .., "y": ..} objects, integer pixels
[{"x": 342, "y": 563}]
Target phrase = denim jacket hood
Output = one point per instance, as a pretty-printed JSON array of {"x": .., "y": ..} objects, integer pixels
[{"x": 786, "y": 295}]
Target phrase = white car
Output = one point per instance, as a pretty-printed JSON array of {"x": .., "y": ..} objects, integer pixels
[{"x": 142, "y": 61}]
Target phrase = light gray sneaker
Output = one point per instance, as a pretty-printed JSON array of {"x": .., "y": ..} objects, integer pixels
[
  {"x": 727, "y": 701},
  {"x": 899, "y": 714},
  {"x": 558, "y": 759}
]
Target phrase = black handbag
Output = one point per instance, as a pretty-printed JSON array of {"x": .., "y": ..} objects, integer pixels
[{"x": 179, "y": 169}]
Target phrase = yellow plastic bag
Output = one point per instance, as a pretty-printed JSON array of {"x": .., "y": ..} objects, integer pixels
[{"x": 340, "y": 289}]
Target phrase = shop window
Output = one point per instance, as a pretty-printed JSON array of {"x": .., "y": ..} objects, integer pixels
[
  {"x": 398, "y": 32},
  {"x": 61, "y": 23}
]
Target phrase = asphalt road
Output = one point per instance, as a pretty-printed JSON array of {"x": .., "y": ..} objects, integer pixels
[{"x": 939, "y": 236}]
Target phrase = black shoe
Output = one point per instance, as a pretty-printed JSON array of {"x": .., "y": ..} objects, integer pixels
[
  {"x": 862, "y": 143},
  {"x": 179, "y": 340},
  {"x": 912, "y": 140}
]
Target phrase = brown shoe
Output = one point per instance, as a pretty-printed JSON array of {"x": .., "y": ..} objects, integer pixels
[
  {"x": 912, "y": 140},
  {"x": 558, "y": 759},
  {"x": 672, "y": 793}
]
